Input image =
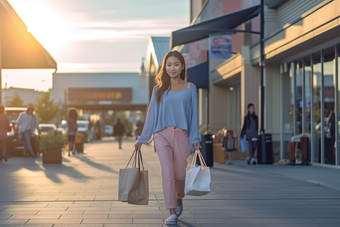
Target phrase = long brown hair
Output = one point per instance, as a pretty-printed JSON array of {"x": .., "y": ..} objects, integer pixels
[
  {"x": 72, "y": 113},
  {"x": 163, "y": 79}
]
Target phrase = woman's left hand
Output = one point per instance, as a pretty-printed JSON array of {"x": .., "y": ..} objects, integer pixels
[{"x": 197, "y": 146}]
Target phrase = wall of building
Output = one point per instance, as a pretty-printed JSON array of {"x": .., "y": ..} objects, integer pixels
[
  {"x": 272, "y": 97},
  {"x": 29, "y": 96},
  {"x": 195, "y": 8},
  {"x": 218, "y": 117},
  {"x": 63, "y": 81}
]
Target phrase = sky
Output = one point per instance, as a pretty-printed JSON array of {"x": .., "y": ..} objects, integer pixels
[{"x": 94, "y": 35}]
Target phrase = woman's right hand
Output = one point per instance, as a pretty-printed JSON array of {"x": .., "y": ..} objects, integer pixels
[{"x": 138, "y": 146}]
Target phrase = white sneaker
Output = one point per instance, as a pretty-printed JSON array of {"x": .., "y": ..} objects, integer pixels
[
  {"x": 172, "y": 220},
  {"x": 179, "y": 210}
]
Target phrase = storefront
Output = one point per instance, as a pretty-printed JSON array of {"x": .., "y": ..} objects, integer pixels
[
  {"x": 310, "y": 102},
  {"x": 300, "y": 77}
]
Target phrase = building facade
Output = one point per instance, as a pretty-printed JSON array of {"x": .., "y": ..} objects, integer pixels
[
  {"x": 301, "y": 39},
  {"x": 28, "y": 96}
]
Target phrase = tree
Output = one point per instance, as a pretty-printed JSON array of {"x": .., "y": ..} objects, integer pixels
[
  {"x": 16, "y": 101},
  {"x": 45, "y": 108}
]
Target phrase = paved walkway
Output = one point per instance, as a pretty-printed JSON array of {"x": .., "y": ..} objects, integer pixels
[{"x": 83, "y": 192}]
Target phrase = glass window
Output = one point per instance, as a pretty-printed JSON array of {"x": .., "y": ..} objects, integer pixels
[
  {"x": 287, "y": 107},
  {"x": 307, "y": 91},
  {"x": 298, "y": 97},
  {"x": 329, "y": 104},
  {"x": 317, "y": 106}
]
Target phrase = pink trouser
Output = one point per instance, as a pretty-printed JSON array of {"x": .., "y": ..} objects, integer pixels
[{"x": 173, "y": 148}]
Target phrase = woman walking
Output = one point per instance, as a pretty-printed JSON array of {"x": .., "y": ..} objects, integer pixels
[
  {"x": 250, "y": 130},
  {"x": 173, "y": 122},
  {"x": 4, "y": 128},
  {"x": 27, "y": 123},
  {"x": 72, "y": 128}
]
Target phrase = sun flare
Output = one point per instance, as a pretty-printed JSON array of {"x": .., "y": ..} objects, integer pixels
[{"x": 46, "y": 25}]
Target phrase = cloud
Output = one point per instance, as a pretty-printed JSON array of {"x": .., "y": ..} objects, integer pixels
[
  {"x": 123, "y": 30},
  {"x": 98, "y": 67}
]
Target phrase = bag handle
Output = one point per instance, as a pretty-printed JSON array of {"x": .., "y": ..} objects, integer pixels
[
  {"x": 133, "y": 155},
  {"x": 199, "y": 154},
  {"x": 137, "y": 155},
  {"x": 141, "y": 159},
  {"x": 203, "y": 164}
]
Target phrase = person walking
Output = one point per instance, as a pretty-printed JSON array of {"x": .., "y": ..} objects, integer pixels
[
  {"x": 72, "y": 128},
  {"x": 250, "y": 130},
  {"x": 27, "y": 123},
  {"x": 172, "y": 121},
  {"x": 119, "y": 131},
  {"x": 4, "y": 128},
  {"x": 90, "y": 131}
]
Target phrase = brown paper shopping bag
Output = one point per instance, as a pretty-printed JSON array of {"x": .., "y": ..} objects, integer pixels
[
  {"x": 128, "y": 180},
  {"x": 141, "y": 195},
  {"x": 134, "y": 182}
]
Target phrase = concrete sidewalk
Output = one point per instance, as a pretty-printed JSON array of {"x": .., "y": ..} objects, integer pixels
[{"x": 83, "y": 192}]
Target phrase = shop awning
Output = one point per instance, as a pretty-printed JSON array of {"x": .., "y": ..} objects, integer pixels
[
  {"x": 19, "y": 49},
  {"x": 221, "y": 24},
  {"x": 199, "y": 75}
]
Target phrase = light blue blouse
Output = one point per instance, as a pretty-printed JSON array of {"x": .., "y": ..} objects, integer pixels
[{"x": 176, "y": 109}]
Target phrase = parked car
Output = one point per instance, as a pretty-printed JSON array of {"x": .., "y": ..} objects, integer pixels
[
  {"x": 108, "y": 130},
  {"x": 14, "y": 146},
  {"x": 46, "y": 128},
  {"x": 83, "y": 127},
  {"x": 62, "y": 131}
]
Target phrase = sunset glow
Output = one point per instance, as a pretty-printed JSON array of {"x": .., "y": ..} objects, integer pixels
[{"x": 93, "y": 36}]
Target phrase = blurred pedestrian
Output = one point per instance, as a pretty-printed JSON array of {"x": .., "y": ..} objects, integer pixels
[
  {"x": 172, "y": 121},
  {"x": 27, "y": 123},
  {"x": 4, "y": 128},
  {"x": 72, "y": 128},
  {"x": 98, "y": 131},
  {"x": 90, "y": 131},
  {"x": 119, "y": 131},
  {"x": 250, "y": 130}
]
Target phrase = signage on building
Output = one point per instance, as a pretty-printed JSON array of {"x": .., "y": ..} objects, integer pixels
[
  {"x": 220, "y": 46},
  {"x": 99, "y": 94}
]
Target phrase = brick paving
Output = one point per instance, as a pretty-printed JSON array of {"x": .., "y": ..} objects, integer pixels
[{"x": 83, "y": 192}]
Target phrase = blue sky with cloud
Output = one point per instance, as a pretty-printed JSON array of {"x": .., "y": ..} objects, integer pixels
[{"x": 97, "y": 35}]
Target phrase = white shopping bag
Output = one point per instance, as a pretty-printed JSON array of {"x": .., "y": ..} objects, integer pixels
[{"x": 197, "y": 179}]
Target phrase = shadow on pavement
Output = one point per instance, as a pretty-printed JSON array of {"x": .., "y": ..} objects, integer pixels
[
  {"x": 50, "y": 170},
  {"x": 94, "y": 164},
  {"x": 53, "y": 170},
  {"x": 183, "y": 223}
]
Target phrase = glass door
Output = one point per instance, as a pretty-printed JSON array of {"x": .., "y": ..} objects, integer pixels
[
  {"x": 329, "y": 105},
  {"x": 287, "y": 108},
  {"x": 317, "y": 94}
]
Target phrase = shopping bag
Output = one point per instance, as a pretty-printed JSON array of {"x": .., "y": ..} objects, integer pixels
[
  {"x": 243, "y": 144},
  {"x": 141, "y": 195},
  {"x": 128, "y": 180},
  {"x": 197, "y": 179},
  {"x": 133, "y": 183}
]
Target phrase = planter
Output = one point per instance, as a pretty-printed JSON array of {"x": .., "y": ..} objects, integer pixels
[
  {"x": 79, "y": 147},
  {"x": 52, "y": 157}
]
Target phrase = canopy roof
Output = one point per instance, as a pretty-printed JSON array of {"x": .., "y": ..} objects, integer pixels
[
  {"x": 221, "y": 24},
  {"x": 19, "y": 49},
  {"x": 199, "y": 75}
]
